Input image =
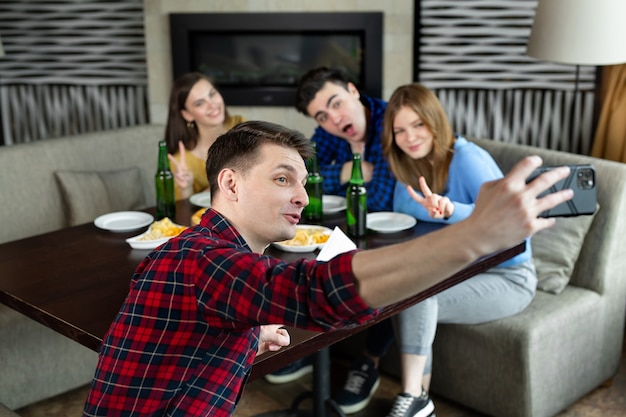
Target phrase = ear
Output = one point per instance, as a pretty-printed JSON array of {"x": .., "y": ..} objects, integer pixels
[
  {"x": 353, "y": 90},
  {"x": 186, "y": 115},
  {"x": 227, "y": 182}
]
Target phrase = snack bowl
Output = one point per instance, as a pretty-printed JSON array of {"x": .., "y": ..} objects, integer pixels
[
  {"x": 158, "y": 233},
  {"x": 299, "y": 245},
  {"x": 136, "y": 242}
]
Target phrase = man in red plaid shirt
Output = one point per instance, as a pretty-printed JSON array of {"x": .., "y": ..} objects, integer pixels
[{"x": 203, "y": 305}]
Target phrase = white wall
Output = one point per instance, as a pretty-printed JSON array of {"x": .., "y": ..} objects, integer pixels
[{"x": 397, "y": 47}]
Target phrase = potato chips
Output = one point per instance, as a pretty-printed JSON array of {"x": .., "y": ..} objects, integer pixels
[
  {"x": 307, "y": 236},
  {"x": 197, "y": 216},
  {"x": 162, "y": 228}
]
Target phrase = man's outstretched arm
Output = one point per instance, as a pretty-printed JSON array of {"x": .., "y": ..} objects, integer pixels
[{"x": 505, "y": 214}]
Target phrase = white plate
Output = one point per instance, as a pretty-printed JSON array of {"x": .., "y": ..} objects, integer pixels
[
  {"x": 123, "y": 221},
  {"x": 201, "y": 199},
  {"x": 308, "y": 248},
  {"x": 333, "y": 204},
  {"x": 389, "y": 222}
]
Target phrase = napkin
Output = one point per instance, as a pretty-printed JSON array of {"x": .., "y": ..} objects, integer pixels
[{"x": 337, "y": 243}]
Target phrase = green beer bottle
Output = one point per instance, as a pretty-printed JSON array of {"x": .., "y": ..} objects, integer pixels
[
  {"x": 356, "y": 199},
  {"x": 313, "y": 212},
  {"x": 164, "y": 181}
]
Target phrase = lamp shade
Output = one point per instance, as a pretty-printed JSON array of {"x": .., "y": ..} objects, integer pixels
[{"x": 579, "y": 32}]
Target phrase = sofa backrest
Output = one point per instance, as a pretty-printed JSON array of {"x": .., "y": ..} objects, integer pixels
[
  {"x": 31, "y": 200},
  {"x": 602, "y": 257}
]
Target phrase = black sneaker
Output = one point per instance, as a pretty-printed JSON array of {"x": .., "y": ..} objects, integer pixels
[
  {"x": 292, "y": 371},
  {"x": 408, "y": 406},
  {"x": 360, "y": 386}
]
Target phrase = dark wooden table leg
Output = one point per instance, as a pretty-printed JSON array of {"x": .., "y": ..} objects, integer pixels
[{"x": 323, "y": 404}]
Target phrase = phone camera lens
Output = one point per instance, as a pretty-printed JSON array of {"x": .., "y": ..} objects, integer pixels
[{"x": 585, "y": 179}]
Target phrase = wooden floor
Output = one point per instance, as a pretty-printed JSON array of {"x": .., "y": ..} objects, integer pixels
[{"x": 262, "y": 397}]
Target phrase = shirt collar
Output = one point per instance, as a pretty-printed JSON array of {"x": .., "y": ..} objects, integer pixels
[{"x": 222, "y": 228}]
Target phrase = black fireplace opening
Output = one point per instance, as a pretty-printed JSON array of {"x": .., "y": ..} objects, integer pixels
[{"x": 256, "y": 59}]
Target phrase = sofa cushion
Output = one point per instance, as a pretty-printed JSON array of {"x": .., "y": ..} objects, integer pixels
[
  {"x": 89, "y": 194},
  {"x": 556, "y": 249}
]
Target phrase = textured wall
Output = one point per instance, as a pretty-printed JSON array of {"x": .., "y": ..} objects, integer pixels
[
  {"x": 397, "y": 46},
  {"x": 71, "y": 67}
]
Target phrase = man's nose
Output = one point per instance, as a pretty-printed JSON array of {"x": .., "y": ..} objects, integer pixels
[
  {"x": 335, "y": 117},
  {"x": 301, "y": 198}
]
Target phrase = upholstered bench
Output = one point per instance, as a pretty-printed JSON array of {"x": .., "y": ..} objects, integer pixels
[{"x": 45, "y": 186}]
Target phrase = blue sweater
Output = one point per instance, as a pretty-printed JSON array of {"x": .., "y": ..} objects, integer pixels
[{"x": 470, "y": 167}]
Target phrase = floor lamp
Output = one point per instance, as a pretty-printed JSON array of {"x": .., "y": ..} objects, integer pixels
[
  {"x": 579, "y": 32},
  {"x": 1, "y": 123}
]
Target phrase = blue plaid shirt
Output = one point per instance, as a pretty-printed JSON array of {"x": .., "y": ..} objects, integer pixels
[{"x": 333, "y": 152}]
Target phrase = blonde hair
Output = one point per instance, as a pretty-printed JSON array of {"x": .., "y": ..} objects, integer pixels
[{"x": 434, "y": 167}]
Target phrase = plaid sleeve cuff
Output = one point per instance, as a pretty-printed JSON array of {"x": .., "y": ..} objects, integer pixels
[{"x": 345, "y": 305}]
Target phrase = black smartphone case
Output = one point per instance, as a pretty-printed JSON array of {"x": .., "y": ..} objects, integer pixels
[{"x": 582, "y": 180}]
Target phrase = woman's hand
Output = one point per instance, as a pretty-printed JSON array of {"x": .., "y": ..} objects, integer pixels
[
  {"x": 438, "y": 207},
  {"x": 183, "y": 177},
  {"x": 272, "y": 338}
]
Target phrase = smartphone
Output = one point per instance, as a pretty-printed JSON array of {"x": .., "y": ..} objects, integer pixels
[{"x": 582, "y": 179}]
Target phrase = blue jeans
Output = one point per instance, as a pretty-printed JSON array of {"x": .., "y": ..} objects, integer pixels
[{"x": 494, "y": 294}]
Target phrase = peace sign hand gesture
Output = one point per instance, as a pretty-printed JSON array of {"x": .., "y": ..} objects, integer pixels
[
  {"x": 183, "y": 177},
  {"x": 438, "y": 207}
]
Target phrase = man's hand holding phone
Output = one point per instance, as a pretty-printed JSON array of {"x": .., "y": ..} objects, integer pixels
[{"x": 582, "y": 180}]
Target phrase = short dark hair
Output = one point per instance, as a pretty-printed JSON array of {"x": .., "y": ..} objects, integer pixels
[
  {"x": 239, "y": 147},
  {"x": 314, "y": 80}
]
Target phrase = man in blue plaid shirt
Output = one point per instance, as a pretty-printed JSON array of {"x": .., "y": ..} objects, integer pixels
[{"x": 349, "y": 122}]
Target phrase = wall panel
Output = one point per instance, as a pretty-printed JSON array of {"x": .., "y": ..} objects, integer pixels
[{"x": 71, "y": 67}]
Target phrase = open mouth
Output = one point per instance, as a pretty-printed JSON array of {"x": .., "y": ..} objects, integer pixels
[
  {"x": 348, "y": 129},
  {"x": 295, "y": 218}
]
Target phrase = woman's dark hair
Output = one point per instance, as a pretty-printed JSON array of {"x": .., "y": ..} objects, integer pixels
[{"x": 177, "y": 129}]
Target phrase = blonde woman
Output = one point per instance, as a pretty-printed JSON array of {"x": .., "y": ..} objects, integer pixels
[{"x": 424, "y": 154}]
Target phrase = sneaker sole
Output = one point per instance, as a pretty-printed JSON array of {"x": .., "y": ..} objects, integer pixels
[
  {"x": 355, "y": 408},
  {"x": 428, "y": 411},
  {"x": 283, "y": 379}
]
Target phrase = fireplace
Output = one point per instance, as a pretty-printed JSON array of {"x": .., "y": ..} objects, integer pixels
[{"x": 256, "y": 59}]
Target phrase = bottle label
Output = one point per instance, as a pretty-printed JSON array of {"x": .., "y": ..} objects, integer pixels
[
  {"x": 313, "y": 212},
  {"x": 164, "y": 183},
  {"x": 166, "y": 203},
  {"x": 356, "y": 211}
]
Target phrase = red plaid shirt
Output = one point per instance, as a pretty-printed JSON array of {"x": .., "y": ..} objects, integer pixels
[{"x": 187, "y": 334}]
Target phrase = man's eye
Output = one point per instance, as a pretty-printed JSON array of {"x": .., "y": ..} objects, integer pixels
[
  {"x": 336, "y": 104},
  {"x": 322, "y": 118},
  {"x": 282, "y": 180}
]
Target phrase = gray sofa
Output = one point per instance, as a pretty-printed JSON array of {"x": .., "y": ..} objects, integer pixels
[
  {"x": 36, "y": 362},
  {"x": 567, "y": 342},
  {"x": 564, "y": 345}
]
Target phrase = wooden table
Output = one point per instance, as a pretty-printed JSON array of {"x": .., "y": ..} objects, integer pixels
[
  {"x": 304, "y": 342},
  {"x": 75, "y": 280}
]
